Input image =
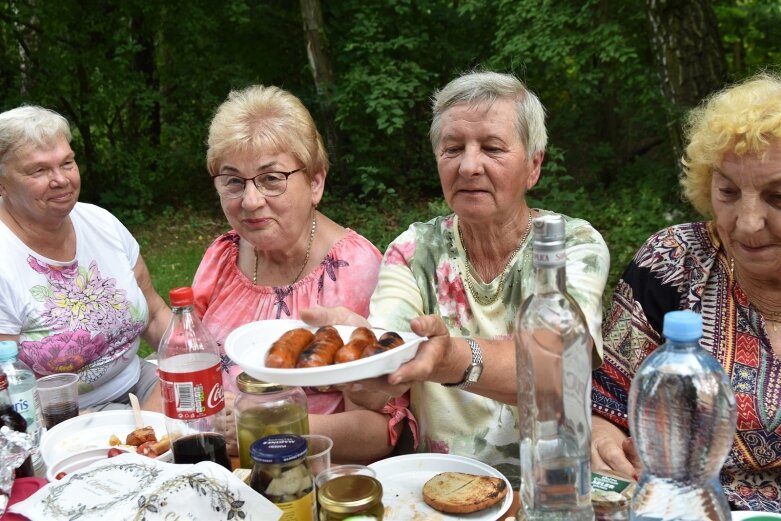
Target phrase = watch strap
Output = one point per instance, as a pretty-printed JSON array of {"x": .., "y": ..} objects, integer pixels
[{"x": 477, "y": 361}]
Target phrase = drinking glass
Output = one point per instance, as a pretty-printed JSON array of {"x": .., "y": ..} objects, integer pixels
[{"x": 59, "y": 394}]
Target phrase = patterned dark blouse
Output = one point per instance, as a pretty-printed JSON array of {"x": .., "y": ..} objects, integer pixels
[{"x": 684, "y": 267}]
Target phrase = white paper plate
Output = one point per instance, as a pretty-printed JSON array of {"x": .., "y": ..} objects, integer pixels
[
  {"x": 748, "y": 516},
  {"x": 403, "y": 477},
  {"x": 80, "y": 460},
  {"x": 91, "y": 431},
  {"x": 247, "y": 346}
]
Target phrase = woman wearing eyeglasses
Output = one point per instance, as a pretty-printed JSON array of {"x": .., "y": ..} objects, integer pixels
[{"x": 269, "y": 165}]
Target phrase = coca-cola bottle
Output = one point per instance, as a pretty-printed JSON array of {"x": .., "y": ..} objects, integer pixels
[
  {"x": 191, "y": 384},
  {"x": 15, "y": 421}
]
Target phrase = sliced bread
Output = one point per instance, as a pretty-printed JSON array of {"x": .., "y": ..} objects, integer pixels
[{"x": 460, "y": 493}]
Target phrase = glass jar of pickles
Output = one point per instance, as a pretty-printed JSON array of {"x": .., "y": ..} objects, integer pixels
[
  {"x": 262, "y": 409},
  {"x": 351, "y": 497},
  {"x": 281, "y": 473}
]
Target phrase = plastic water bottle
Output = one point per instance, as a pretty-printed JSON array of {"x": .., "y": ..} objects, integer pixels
[
  {"x": 14, "y": 421},
  {"x": 191, "y": 383},
  {"x": 682, "y": 416},
  {"x": 553, "y": 351},
  {"x": 24, "y": 394}
]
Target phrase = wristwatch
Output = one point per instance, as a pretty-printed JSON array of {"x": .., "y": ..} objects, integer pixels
[{"x": 474, "y": 370}]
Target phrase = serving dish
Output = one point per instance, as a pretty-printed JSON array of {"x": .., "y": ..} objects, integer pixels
[
  {"x": 403, "y": 477},
  {"x": 247, "y": 347},
  {"x": 93, "y": 430}
]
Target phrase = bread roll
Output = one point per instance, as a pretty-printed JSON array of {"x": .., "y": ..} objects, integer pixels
[{"x": 460, "y": 493}]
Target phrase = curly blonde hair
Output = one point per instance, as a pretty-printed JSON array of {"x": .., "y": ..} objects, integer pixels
[
  {"x": 265, "y": 117},
  {"x": 744, "y": 118}
]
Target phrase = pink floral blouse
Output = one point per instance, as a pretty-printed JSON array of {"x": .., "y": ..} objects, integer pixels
[{"x": 226, "y": 299}]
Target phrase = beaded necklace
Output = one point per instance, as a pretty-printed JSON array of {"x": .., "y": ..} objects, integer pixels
[{"x": 469, "y": 278}]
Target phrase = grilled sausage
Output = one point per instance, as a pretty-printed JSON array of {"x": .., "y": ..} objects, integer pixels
[
  {"x": 360, "y": 338},
  {"x": 386, "y": 342},
  {"x": 322, "y": 349},
  {"x": 284, "y": 352}
]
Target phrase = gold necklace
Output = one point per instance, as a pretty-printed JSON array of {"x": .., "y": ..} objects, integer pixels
[
  {"x": 485, "y": 301},
  {"x": 771, "y": 317},
  {"x": 306, "y": 259}
]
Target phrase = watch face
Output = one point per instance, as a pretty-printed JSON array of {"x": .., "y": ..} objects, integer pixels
[{"x": 475, "y": 372}]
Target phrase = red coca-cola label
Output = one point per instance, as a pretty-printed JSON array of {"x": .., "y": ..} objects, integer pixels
[{"x": 189, "y": 396}]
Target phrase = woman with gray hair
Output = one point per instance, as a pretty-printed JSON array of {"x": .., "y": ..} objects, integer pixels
[
  {"x": 467, "y": 273},
  {"x": 74, "y": 290}
]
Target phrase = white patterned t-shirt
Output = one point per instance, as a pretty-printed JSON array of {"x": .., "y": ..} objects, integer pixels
[{"x": 84, "y": 315}]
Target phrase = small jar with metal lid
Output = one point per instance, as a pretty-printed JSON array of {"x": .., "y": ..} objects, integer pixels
[
  {"x": 262, "y": 409},
  {"x": 350, "y": 498},
  {"x": 282, "y": 474}
]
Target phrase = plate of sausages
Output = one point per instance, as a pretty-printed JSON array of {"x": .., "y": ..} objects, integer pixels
[{"x": 291, "y": 352}]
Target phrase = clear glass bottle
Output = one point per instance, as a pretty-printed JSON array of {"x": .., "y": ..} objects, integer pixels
[
  {"x": 24, "y": 394},
  {"x": 351, "y": 497},
  {"x": 682, "y": 417},
  {"x": 281, "y": 473},
  {"x": 262, "y": 409},
  {"x": 191, "y": 383},
  {"x": 553, "y": 352}
]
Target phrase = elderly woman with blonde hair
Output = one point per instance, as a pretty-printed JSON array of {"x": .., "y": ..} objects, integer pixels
[
  {"x": 269, "y": 165},
  {"x": 727, "y": 268}
]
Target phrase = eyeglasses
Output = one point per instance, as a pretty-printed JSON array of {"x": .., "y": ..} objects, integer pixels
[{"x": 270, "y": 184}]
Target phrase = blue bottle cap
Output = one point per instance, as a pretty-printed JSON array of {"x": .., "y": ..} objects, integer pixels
[
  {"x": 278, "y": 448},
  {"x": 8, "y": 350},
  {"x": 682, "y": 326}
]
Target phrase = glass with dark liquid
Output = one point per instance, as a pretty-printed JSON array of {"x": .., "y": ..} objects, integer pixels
[
  {"x": 201, "y": 447},
  {"x": 55, "y": 413},
  {"x": 59, "y": 394}
]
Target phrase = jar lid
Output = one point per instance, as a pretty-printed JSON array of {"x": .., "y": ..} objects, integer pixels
[
  {"x": 278, "y": 448},
  {"x": 349, "y": 494},
  {"x": 247, "y": 384}
]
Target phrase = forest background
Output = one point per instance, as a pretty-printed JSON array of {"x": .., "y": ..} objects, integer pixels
[{"x": 139, "y": 81}]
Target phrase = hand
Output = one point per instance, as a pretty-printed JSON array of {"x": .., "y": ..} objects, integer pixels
[
  {"x": 372, "y": 393},
  {"x": 322, "y": 316},
  {"x": 612, "y": 450},
  {"x": 431, "y": 353}
]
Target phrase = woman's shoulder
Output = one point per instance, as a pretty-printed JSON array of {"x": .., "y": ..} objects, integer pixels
[
  {"x": 223, "y": 248},
  {"x": 683, "y": 239},
  {"x": 436, "y": 229},
  {"x": 353, "y": 244},
  {"x": 92, "y": 214}
]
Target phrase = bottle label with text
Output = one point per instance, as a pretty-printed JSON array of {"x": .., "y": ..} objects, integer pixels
[{"x": 192, "y": 395}]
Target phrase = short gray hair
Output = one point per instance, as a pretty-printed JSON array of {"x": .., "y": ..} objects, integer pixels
[
  {"x": 29, "y": 125},
  {"x": 484, "y": 88}
]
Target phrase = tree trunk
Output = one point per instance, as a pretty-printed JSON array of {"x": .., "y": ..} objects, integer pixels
[
  {"x": 689, "y": 56},
  {"x": 320, "y": 62}
]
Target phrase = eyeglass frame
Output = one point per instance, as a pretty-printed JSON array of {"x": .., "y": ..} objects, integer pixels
[{"x": 258, "y": 188}]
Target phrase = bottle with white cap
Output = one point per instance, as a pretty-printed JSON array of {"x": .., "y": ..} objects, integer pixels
[
  {"x": 24, "y": 393},
  {"x": 553, "y": 353}
]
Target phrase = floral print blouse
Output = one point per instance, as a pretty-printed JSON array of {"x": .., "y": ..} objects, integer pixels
[
  {"x": 226, "y": 299},
  {"x": 685, "y": 267},
  {"x": 421, "y": 274}
]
